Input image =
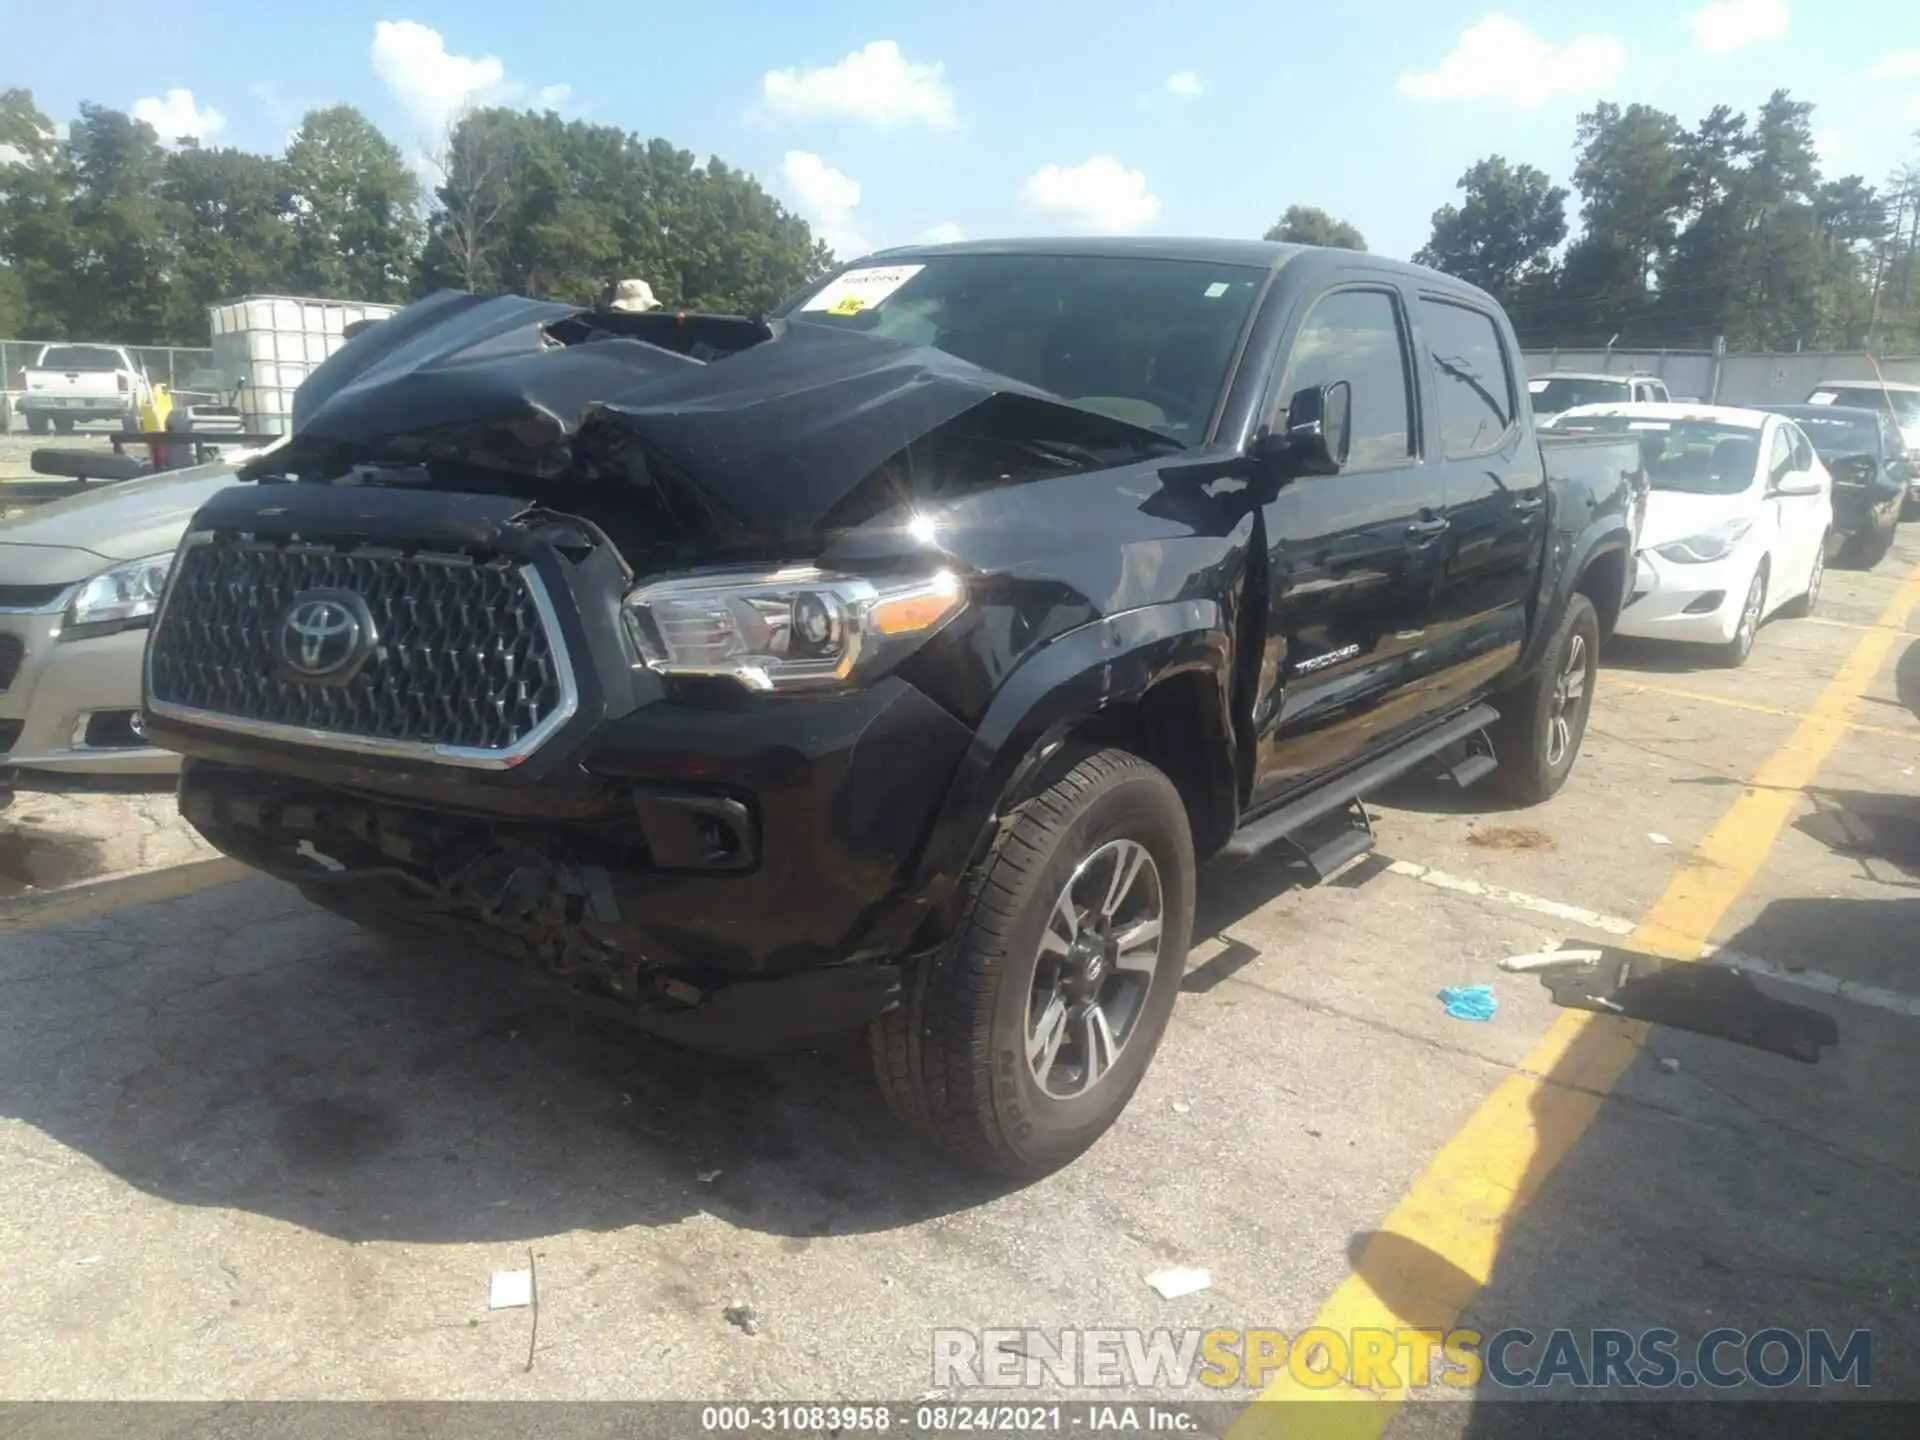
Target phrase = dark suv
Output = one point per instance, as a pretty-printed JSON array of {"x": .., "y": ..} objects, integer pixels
[{"x": 892, "y": 660}]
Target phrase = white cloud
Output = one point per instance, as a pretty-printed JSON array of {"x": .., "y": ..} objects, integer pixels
[
  {"x": 551, "y": 97},
  {"x": 827, "y": 198},
  {"x": 12, "y": 155},
  {"x": 1500, "y": 59},
  {"x": 1724, "y": 26},
  {"x": 1100, "y": 194},
  {"x": 1184, "y": 83},
  {"x": 177, "y": 116},
  {"x": 876, "y": 85},
  {"x": 1830, "y": 146},
  {"x": 433, "y": 85},
  {"x": 1900, "y": 65},
  {"x": 945, "y": 233}
]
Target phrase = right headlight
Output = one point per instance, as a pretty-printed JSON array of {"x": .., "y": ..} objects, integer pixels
[
  {"x": 1708, "y": 545},
  {"x": 794, "y": 629}
]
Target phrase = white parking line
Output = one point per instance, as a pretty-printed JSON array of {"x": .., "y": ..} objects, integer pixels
[{"x": 1870, "y": 995}]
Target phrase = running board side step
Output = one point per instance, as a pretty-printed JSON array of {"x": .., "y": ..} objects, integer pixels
[{"x": 1266, "y": 830}]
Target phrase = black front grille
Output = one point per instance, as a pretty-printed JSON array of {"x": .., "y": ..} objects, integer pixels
[
  {"x": 463, "y": 658},
  {"x": 12, "y": 651}
]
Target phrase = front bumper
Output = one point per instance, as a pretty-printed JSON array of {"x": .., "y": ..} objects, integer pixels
[
  {"x": 88, "y": 407},
  {"x": 1693, "y": 604},
  {"x": 72, "y": 706},
  {"x": 1857, "y": 510}
]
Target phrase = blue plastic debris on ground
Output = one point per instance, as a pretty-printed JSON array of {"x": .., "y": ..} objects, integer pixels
[{"x": 1469, "y": 1002}]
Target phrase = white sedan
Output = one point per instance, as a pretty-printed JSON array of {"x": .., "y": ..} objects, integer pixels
[{"x": 1736, "y": 525}]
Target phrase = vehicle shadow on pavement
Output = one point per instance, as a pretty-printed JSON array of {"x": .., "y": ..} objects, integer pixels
[
  {"x": 1881, "y": 832},
  {"x": 240, "y": 1048},
  {"x": 1657, "y": 657},
  {"x": 1674, "y": 1179}
]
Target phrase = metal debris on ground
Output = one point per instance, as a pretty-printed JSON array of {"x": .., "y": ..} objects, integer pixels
[
  {"x": 510, "y": 1290},
  {"x": 1181, "y": 1107},
  {"x": 743, "y": 1317},
  {"x": 1670, "y": 1064},
  {"x": 1469, "y": 1002},
  {"x": 1546, "y": 959},
  {"x": 1180, "y": 1280},
  {"x": 707, "y": 1177},
  {"x": 1657, "y": 838}
]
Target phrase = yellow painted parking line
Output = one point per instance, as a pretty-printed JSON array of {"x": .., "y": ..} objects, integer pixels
[
  {"x": 103, "y": 897},
  {"x": 1634, "y": 686},
  {"x": 1436, "y": 1249}
]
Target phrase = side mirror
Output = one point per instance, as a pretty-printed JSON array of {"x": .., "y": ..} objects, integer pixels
[{"x": 1317, "y": 433}]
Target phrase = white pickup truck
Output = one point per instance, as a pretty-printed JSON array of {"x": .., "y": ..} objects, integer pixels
[{"x": 70, "y": 383}]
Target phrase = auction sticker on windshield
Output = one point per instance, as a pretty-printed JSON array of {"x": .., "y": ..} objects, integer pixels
[{"x": 859, "y": 290}]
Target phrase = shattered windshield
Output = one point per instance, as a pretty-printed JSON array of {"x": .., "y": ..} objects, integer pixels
[
  {"x": 1146, "y": 341},
  {"x": 1904, "y": 405}
]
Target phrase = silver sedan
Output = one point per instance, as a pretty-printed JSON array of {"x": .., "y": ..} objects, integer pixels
[{"x": 79, "y": 580}]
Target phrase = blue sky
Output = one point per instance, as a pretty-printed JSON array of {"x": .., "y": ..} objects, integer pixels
[{"x": 886, "y": 123}]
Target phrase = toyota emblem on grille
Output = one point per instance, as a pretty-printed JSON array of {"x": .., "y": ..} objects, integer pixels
[{"x": 326, "y": 636}]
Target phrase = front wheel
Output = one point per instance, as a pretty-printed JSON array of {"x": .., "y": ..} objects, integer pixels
[
  {"x": 1870, "y": 546},
  {"x": 1734, "y": 653},
  {"x": 1020, "y": 1042},
  {"x": 1802, "y": 604},
  {"x": 1543, "y": 721}
]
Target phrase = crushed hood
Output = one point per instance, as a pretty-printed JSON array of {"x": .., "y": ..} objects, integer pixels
[{"x": 773, "y": 424}]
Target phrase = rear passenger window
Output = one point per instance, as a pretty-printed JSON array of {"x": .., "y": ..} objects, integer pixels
[
  {"x": 1357, "y": 336},
  {"x": 1472, "y": 376}
]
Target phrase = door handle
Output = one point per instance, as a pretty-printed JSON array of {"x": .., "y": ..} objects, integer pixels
[
  {"x": 1427, "y": 529},
  {"x": 1527, "y": 504}
]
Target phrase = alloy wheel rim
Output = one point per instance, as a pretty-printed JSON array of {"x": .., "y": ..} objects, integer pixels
[
  {"x": 1750, "y": 615},
  {"x": 1095, "y": 966},
  {"x": 1569, "y": 691}
]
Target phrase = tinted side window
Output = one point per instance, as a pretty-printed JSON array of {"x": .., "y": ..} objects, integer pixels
[
  {"x": 1472, "y": 376},
  {"x": 1357, "y": 336}
]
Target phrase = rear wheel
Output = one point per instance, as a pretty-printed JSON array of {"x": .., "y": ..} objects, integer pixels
[
  {"x": 63, "y": 424},
  {"x": 1544, "y": 719},
  {"x": 38, "y": 424},
  {"x": 1020, "y": 1043},
  {"x": 1734, "y": 653}
]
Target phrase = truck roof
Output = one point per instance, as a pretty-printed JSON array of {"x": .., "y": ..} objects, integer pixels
[
  {"x": 1269, "y": 255},
  {"x": 1623, "y": 376}
]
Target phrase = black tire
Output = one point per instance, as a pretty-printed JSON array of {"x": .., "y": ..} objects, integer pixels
[
  {"x": 1803, "y": 605},
  {"x": 63, "y": 424},
  {"x": 38, "y": 424},
  {"x": 953, "y": 1059},
  {"x": 1544, "y": 718},
  {"x": 1734, "y": 653},
  {"x": 1869, "y": 547}
]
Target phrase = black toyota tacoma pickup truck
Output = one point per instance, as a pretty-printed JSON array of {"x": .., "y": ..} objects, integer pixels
[{"x": 893, "y": 659}]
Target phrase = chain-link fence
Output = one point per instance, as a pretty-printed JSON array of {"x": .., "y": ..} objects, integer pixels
[{"x": 168, "y": 365}]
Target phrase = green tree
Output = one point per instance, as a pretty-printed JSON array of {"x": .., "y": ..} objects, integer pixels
[
  {"x": 1630, "y": 177},
  {"x": 1502, "y": 234},
  {"x": 1310, "y": 225},
  {"x": 120, "y": 253},
  {"x": 548, "y": 207},
  {"x": 36, "y": 221},
  {"x": 229, "y": 212},
  {"x": 356, "y": 232}
]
